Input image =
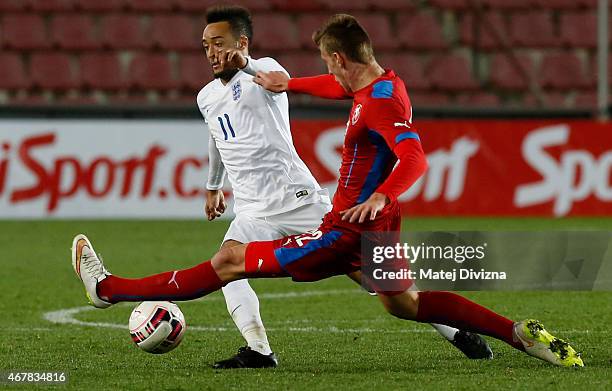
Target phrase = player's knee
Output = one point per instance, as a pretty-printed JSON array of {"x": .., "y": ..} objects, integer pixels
[
  {"x": 404, "y": 305},
  {"x": 228, "y": 264}
]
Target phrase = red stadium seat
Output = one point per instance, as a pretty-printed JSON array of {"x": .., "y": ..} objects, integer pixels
[
  {"x": 300, "y": 5},
  {"x": 451, "y": 72},
  {"x": 150, "y": 5},
  {"x": 195, "y": 72},
  {"x": 123, "y": 32},
  {"x": 102, "y": 71},
  {"x": 408, "y": 67},
  {"x": 551, "y": 100},
  {"x": 194, "y": 5},
  {"x": 303, "y": 64},
  {"x": 202, "y": 5},
  {"x": 428, "y": 99},
  {"x": 151, "y": 71},
  {"x": 52, "y": 71},
  {"x": 534, "y": 29},
  {"x": 51, "y": 5},
  {"x": 480, "y": 99},
  {"x": 579, "y": 29},
  {"x": 485, "y": 38},
  {"x": 12, "y": 5},
  {"x": 82, "y": 99},
  {"x": 379, "y": 30},
  {"x": 507, "y": 4},
  {"x": 586, "y": 99},
  {"x": 174, "y": 33},
  {"x": 505, "y": 75},
  {"x": 393, "y": 5},
  {"x": 450, "y": 4},
  {"x": 274, "y": 32},
  {"x": 21, "y": 31},
  {"x": 100, "y": 6},
  {"x": 563, "y": 71},
  {"x": 132, "y": 99},
  {"x": 75, "y": 32},
  {"x": 420, "y": 31},
  {"x": 343, "y": 5},
  {"x": 307, "y": 24},
  {"x": 13, "y": 74},
  {"x": 565, "y": 4},
  {"x": 35, "y": 99}
]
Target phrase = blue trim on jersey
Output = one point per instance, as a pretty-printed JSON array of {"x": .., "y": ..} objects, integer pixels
[
  {"x": 222, "y": 127},
  {"x": 286, "y": 255},
  {"x": 351, "y": 167},
  {"x": 406, "y": 135},
  {"x": 230, "y": 125},
  {"x": 383, "y": 153},
  {"x": 382, "y": 89}
]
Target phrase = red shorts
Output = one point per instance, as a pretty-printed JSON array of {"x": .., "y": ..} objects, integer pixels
[{"x": 332, "y": 249}]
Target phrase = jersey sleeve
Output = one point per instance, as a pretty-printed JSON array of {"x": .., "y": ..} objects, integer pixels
[
  {"x": 391, "y": 119},
  {"x": 264, "y": 64},
  {"x": 216, "y": 169},
  {"x": 323, "y": 86}
]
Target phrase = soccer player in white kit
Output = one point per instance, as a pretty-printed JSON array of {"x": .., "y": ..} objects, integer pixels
[
  {"x": 275, "y": 195},
  {"x": 250, "y": 139}
]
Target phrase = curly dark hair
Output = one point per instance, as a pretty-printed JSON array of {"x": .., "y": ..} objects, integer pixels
[{"x": 239, "y": 19}]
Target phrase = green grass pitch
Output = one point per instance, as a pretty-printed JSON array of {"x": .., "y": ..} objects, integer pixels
[{"x": 328, "y": 335}]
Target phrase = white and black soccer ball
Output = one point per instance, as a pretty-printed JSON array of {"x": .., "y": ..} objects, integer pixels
[{"x": 157, "y": 326}]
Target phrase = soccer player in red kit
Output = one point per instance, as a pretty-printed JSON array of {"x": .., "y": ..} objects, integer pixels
[{"x": 379, "y": 133}]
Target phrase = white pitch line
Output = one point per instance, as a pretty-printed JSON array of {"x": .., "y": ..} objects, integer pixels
[{"x": 67, "y": 316}]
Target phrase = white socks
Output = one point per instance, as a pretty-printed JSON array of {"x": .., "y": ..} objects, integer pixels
[
  {"x": 446, "y": 331},
  {"x": 243, "y": 306}
]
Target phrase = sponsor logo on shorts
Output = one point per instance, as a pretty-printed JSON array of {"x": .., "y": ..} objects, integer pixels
[{"x": 301, "y": 193}]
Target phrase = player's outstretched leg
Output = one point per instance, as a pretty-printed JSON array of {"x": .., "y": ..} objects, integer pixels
[
  {"x": 89, "y": 268},
  {"x": 472, "y": 345},
  {"x": 104, "y": 289},
  {"x": 456, "y": 311}
]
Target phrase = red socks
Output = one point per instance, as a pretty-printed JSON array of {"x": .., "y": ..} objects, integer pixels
[
  {"x": 457, "y": 311},
  {"x": 187, "y": 284}
]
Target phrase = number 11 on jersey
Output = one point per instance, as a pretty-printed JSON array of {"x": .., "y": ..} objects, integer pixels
[{"x": 229, "y": 125}]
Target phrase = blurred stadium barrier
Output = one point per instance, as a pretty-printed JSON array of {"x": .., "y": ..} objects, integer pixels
[{"x": 157, "y": 168}]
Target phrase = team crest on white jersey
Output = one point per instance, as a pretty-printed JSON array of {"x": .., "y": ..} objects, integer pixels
[
  {"x": 356, "y": 114},
  {"x": 236, "y": 90}
]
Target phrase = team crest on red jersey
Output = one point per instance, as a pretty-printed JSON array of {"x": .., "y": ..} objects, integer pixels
[{"x": 356, "y": 114}]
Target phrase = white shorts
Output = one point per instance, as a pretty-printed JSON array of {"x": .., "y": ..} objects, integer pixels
[{"x": 245, "y": 229}]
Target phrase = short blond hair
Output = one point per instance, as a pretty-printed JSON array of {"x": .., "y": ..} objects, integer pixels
[{"x": 342, "y": 33}]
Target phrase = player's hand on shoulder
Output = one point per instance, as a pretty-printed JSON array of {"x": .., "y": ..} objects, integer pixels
[
  {"x": 366, "y": 210},
  {"x": 232, "y": 57},
  {"x": 275, "y": 81},
  {"x": 215, "y": 204}
]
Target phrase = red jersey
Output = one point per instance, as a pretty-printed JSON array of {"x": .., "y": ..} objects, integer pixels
[{"x": 379, "y": 131}]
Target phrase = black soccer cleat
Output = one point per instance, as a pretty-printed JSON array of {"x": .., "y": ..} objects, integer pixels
[
  {"x": 472, "y": 345},
  {"x": 248, "y": 358}
]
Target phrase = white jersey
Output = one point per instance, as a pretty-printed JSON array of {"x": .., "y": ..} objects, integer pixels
[{"x": 250, "y": 128}]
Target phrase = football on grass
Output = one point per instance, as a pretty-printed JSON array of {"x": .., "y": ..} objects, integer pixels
[{"x": 157, "y": 326}]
